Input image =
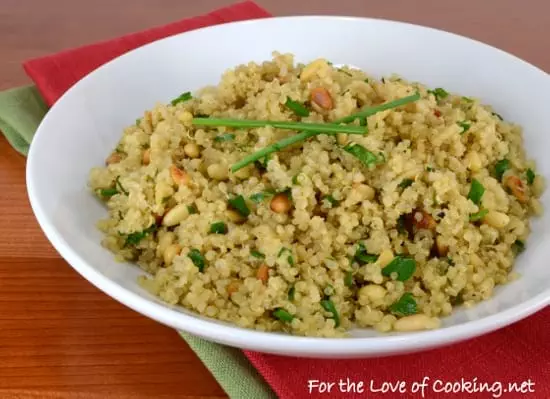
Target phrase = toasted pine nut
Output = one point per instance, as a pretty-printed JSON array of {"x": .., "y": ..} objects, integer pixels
[
  {"x": 280, "y": 203},
  {"x": 263, "y": 273},
  {"x": 385, "y": 258},
  {"x": 175, "y": 215},
  {"x": 217, "y": 172},
  {"x": 234, "y": 216},
  {"x": 233, "y": 287},
  {"x": 113, "y": 158},
  {"x": 179, "y": 176},
  {"x": 312, "y": 69},
  {"x": 165, "y": 240},
  {"x": 365, "y": 191},
  {"x": 322, "y": 98},
  {"x": 342, "y": 138},
  {"x": 170, "y": 253},
  {"x": 517, "y": 188},
  {"x": 496, "y": 219},
  {"x": 370, "y": 293},
  {"x": 191, "y": 150},
  {"x": 442, "y": 248},
  {"x": 423, "y": 220},
  {"x": 146, "y": 157},
  {"x": 416, "y": 322}
]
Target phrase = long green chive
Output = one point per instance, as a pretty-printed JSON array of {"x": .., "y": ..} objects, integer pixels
[
  {"x": 183, "y": 97},
  {"x": 329, "y": 128},
  {"x": 302, "y": 136},
  {"x": 328, "y": 305},
  {"x": 296, "y": 107}
]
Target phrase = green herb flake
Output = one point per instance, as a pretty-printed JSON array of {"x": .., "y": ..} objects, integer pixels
[
  {"x": 406, "y": 183},
  {"x": 291, "y": 293},
  {"x": 192, "y": 209},
  {"x": 224, "y": 137},
  {"x": 218, "y": 228},
  {"x": 333, "y": 201},
  {"x": 362, "y": 256},
  {"x": 348, "y": 279},
  {"x": 366, "y": 157},
  {"x": 238, "y": 203},
  {"x": 474, "y": 217},
  {"x": 405, "y": 306},
  {"x": 402, "y": 265},
  {"x": 476, "y": 192},
  {"x": 464, "y": 125},
  {"x": 182, "y": 98},
  {"x": 530, "y": 174},
  {"x": 439, "y": 93},
  {"x": 166, "y": 199},
  {"x": 197, "y": 259},
  {"x": 518, "y": 247},
  {"x": 328, "y": 305},
  {"x": 283, "y": 315},
  {"x": 135, "y": 238},
  {"x": 295, "y": 179},
  {"x": 500, "y": 167},
  {"x": 257, "y": 254},
  {"x": 430, "y": 168},
  {"x": 138, "y": 121},
  {"x": 120, "y": 186},
  {"x": 290, "y": 260},
  {"x": 296, "y": 107},
  {"x": 257, "y": 198},
  {"x": 467, "y": 99},
  {"x": 366, "y": 80},
  {"x": 450, "y": 261},
  {"x": 108, "y": 192}
]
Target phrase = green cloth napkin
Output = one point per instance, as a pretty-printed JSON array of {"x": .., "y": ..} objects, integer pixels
[{"x": 21, "y": 110}]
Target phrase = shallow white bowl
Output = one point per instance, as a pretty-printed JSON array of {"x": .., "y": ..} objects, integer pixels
[{"x": 86, "y": 123}]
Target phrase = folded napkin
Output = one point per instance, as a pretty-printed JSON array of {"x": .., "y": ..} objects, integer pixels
[{"x": 516, "y": 354}]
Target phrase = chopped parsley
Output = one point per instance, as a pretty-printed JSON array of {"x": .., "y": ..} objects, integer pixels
[
  {"x": 366, "y": 157},
  {"x": 296, "y": 107},
  {"x": 406, "y": 183},
  {"x": 291, "y": 293},
  {"x": 182, "y": 98},
  {"x": 282, "y": 315},
  {"x": 224, "y": 137},
  {"x": 218, "y": 228},
  {"x": 439, "y": 93},
  {"x": 197, "y": 259},
  {"x": 405, "y": 306},
  {"x": 333, "y": 201},
  {"x": 192, "y": 209},
  {"x": 136, "y": 237},
  {"x": 464, "y": 125},
  {"x": 500, "y": 167},
  {"x": 530, "y": 174},
  {"x": 289, "y": 258},
  {"x": 362, "y": 256},
  {"x": 476, "y": 192},
  {"x": 348, "y": 279},
  {"x": 238, "y": 203},
  {"x": 474, "y": 217},
  {"x": 518, "y": 247},
  {"x": 402, "y": 265},
  {"x": 108, "y": 192},
  {"x": 257, "y": 254}
]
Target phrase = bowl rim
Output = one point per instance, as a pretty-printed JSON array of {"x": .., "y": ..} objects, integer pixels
[{"x": 270, "y": 342}]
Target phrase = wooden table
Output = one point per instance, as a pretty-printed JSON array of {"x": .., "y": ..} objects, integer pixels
[{"x": 59, "y": 336}]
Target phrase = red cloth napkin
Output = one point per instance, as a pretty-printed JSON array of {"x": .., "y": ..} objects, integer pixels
[{"x": 516, "y": 354}]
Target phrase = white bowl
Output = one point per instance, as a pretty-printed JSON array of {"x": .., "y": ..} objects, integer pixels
[{"x": 86, "y": 123}]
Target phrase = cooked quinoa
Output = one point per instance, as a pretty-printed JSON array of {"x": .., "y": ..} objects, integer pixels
[{"x": 316, "y": 239}]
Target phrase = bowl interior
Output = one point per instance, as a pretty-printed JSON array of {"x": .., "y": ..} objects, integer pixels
[{"x": 84, "y": 126}]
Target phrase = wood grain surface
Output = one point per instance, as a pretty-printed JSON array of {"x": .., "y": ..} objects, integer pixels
[{"x": 59, "y": 336}]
